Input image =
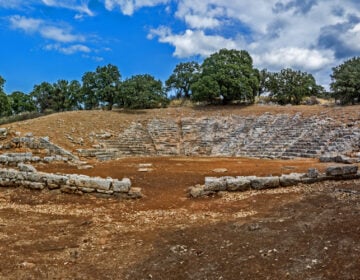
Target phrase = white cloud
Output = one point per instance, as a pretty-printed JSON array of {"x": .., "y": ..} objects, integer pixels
[
  {"x": 128, "y": 7},
  {"x": 192, "y": 42},
  {"x": 60, "y": 34},
  {"x": 81, "y": 7},
  {"x": 68, "y": 49},
  {"x": 46, "y": 30},
  {"x": 25, "y": 24},
  {"x": 306, "y": 59}
]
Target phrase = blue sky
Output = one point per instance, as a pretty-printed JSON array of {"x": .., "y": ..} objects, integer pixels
[{"x": 48, "y": 40}]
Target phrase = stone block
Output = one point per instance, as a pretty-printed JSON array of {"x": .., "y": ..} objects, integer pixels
[
  {"x": 239, "y": 183},
  {"x": 334, "y": 171},
  {"x": 199, "y": 191},
  {"x": 215, "y": 184},
  {"x": 350, "y": 169},
  {"x": 290, "y": 179},
  {"x": 121, "y": 186},
  {"x": 342, "y": 170},
  {"x": 312, "y": 173},
  {"x": 26, "y": 167},
  {"x": 260, "y": 183},
  {"x": 89, "y": 182},
  {"x": 135, "y": 193}
]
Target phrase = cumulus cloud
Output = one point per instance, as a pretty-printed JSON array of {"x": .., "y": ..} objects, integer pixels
[
  {"x": 191, "y": 43},
  {"x": 128, "y": 7},
  {"x": 306, "y": 59}
]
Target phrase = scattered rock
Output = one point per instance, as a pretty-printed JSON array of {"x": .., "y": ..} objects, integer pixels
[{"x": 220, "y": 170}]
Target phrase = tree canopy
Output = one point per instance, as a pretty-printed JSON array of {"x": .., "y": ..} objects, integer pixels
[
  {"x": 142, "y": 92},
  {"x": 345, "y": 83},
  {"x": 290, "y": 87},
  {"x": 5, "y": 108},
  {"x": 183, "y": 76},
  {"x": 229, "y": 75},
  {"x": 21, "y": 102},
  {"x": 101, "y": 87}
]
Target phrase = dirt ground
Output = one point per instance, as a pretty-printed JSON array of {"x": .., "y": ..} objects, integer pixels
[{"x": 303, "y": 232}]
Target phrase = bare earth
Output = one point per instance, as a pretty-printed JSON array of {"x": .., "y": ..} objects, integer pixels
[{"x": 303, "y": 232}]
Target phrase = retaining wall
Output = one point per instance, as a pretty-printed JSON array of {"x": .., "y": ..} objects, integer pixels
[
  {"x": 243, "y": 183},
  {"x": 27, "y": 176}
]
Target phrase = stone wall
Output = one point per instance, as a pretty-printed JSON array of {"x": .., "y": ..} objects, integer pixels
[
  {"x": 267, "y": 136},
  {"x": 26, "y": 176},
  {"x": 243, "y": 183}
]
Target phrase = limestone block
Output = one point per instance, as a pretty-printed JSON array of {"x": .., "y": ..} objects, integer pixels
[
  {"x": 54, "y": 179},
  {"x": 26, "y": 167},
  {"x": 135, "y": 193},
  {"x": 239, "y": 183},
  {"x": 350, "y": 169},
  {"x": 312, "y": 173},
  {"x": 9, "y": 174},
  {"x": 260, "y": 183},
  {"x": 68, "y": 189},
  {"x": 215, "y": 184},
  {"x": 341, "y": 170},
  {"x": 33, "y": 176},
  {"x": 33, "y": 185},
  {"x": 89, "y": 182},
  {"x": 87, "y": 190},
  {"x": 48, "y": 159},
  {"x": 35, "y": 159},
  {"x": 290, "y": 179},
  {"x": 199, "y": 191},
  {"x": 121, "y": 186}
]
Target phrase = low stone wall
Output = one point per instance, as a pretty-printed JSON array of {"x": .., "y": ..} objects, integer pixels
[
  {"x": 27, "y": 176},
  {"x": 12, "y": 159},
  {"x": 243, "y": 183}
]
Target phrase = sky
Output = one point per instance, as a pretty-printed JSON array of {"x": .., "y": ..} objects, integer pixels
[{"x": 49, "y": 40}]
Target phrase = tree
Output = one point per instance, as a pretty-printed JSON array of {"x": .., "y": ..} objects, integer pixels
[
  {"x": 233, "y": 73},
  {"x": 66, "y": 95},
  {"x": 43, "y": 97},
  {"x": 5, "y": 109},
  {"x": 21, "y": 102},
  {"x": 142, "y": 92},
  {"x": 290, "y": 87},
  {"x": 89, "y": 96},
  {"x": 183, "y": 76},
  {"x": 101, "y": 86},
  {"x": 345, "y": 83}
]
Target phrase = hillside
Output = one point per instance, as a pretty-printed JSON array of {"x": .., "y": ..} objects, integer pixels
[{"x": 78, "y": 129}]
